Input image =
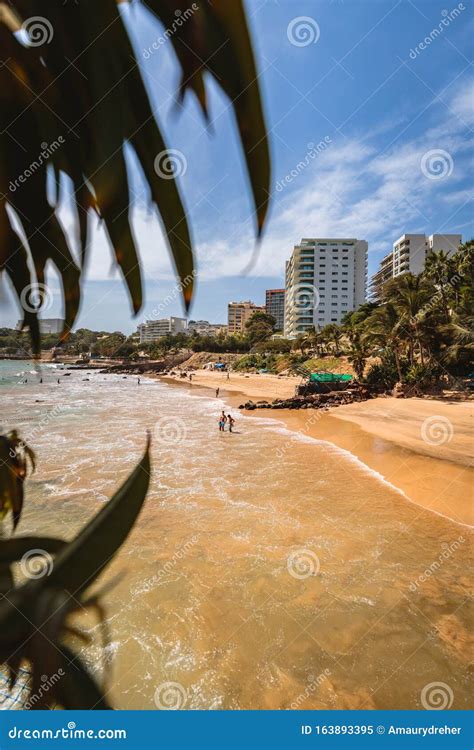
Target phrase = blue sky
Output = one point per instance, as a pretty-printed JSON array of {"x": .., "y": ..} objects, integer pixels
[{"x": 382, "y": 106}]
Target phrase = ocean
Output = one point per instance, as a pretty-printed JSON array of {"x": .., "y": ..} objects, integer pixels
[{"x": 267, "y": 570}]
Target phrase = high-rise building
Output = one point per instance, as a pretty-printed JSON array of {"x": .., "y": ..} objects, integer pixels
[
  {"x": 409, "y": 255},
  {"x": 325, "y": 279},
  {"x": 152, "y": 330},
  {"x": 275, "y": 306},
  {"x": 384, "y": 274},
  {"x": 238, "y": 313}
]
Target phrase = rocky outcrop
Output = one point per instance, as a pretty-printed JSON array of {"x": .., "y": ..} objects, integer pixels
[{"x": 313, "y": 401}]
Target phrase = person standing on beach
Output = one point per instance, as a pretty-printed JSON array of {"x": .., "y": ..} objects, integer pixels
[
  {"x": 222, "y": 421},
  {"x": 138, "y": 381},
  {"x": 217, "y": 393},
  {"x": 231, "y": 421}
]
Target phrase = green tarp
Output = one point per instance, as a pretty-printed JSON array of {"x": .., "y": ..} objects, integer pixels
[{"x": 328, "y": 377}]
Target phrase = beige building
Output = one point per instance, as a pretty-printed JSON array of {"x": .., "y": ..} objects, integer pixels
[
  {"x": 238, "y": 313},
  {"x": 325, "y": 279}
]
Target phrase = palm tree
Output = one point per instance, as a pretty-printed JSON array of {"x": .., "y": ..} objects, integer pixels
[
  {"x": 410, "y": 295},
  {"x": 358, "y": 353},
  {"x": 332, "y": 333},
  {"x": 440, "y": 269},
  {"x": 384, "y": 331},
  {"x": 460, "y": 331}
]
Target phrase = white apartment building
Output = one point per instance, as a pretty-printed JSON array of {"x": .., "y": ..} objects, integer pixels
[
  {"x": 204, "y": 328},
  {"x": 325, "y": 278},
  {"x": 409, "y": 254},
  {"x": 152, "y": 330}
]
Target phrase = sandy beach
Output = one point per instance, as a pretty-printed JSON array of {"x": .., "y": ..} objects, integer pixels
[{"x": 423, "y": 447}]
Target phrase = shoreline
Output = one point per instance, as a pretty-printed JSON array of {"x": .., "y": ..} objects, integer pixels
[{"x": 437, "y": 478}]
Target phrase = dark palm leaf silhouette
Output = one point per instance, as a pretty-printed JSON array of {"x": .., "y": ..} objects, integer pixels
[{"x": 73, "y": 98}]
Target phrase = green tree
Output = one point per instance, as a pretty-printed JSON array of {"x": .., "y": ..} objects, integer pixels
[{"x": 259, "y": 327}]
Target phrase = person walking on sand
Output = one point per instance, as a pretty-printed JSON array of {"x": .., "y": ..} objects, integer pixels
[
  {"x": 138, "y": 381},
  {"x": 231, "y": 421},
  {"x": 217, "y": 392}
]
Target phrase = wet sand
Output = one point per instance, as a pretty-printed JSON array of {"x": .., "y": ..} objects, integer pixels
[{"x": 423, "y": 447}]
